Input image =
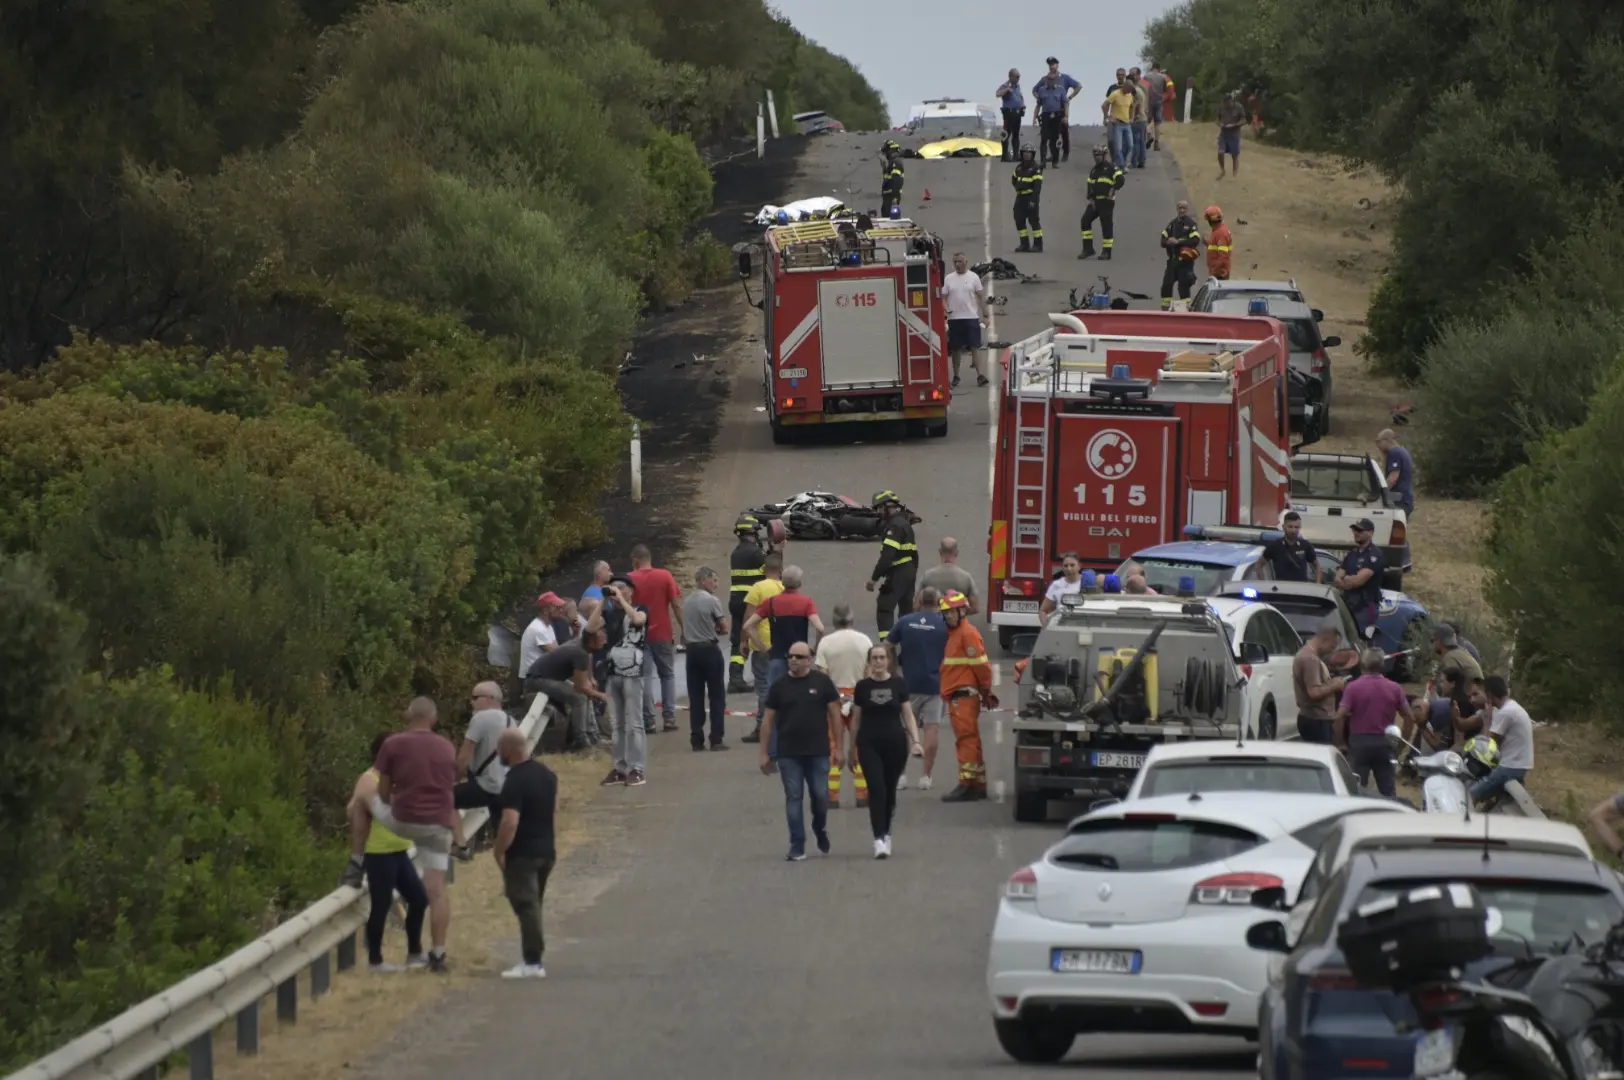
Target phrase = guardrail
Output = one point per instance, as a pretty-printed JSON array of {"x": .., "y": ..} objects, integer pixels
[
  {"x": 136, "y": 1043},
  {"x": 1523, "y": 802}
]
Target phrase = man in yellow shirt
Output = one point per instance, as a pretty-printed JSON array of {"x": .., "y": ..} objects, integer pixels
[
  {"x": 768, "y": 587},
  {"x": 1119, "y": 106}
]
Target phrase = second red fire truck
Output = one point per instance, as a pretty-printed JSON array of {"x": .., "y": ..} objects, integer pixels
[
  {"x": 854, "y": 328},
  {"x": 1116, "y": 429}
]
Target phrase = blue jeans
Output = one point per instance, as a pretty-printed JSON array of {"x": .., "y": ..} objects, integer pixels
[
  {"x": 1121, "y": 144},
  {"x": 800, "y": 774},
  {"x": 659, "y": 681},
  {"x": 1138, "y": 144},
  {"x": 777, "y": 668},
  {"x": 1496, "y": 781}
]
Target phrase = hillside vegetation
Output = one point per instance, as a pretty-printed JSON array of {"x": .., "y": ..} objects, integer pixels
[
  {"x": 309, "y": 312},
  {"x": 1501, "y": 125}
]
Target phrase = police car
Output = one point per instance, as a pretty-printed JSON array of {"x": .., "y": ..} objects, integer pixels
[{"x": 1402, "y": 624}]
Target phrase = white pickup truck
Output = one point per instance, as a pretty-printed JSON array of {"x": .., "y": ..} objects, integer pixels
[{"x": 1332, "y": 491}]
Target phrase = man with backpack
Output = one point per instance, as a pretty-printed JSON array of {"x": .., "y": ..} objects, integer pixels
[{"x": 625, "y": 627}]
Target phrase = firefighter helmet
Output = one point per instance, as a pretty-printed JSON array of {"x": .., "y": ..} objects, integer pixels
[
  {"x": 955, "y": 601},
  {"x": 1213, "y": 215},
  {"x": 1101, "y": 150},
  {"x": 1028, "y": 148},
  {"x": 891, "y": 147},
  {"x": 746, "y": 525},
  {"x": 883, "y": 497}
]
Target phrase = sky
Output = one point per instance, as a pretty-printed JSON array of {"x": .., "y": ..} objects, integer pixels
[{"x": 917, "y": 49}]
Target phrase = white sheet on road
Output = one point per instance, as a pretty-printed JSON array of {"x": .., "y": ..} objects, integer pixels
[{"x": 799, "y": 210}]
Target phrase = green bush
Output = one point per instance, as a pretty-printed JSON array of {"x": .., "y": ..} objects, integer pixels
[
  {"x": 1553, "y": 565},
  {"x": 1491, "y": 390}
]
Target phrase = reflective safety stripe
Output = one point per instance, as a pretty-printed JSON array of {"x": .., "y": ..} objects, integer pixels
[
  {"x": 899, "y": 545},
  {"x": 982, "y": 659},
  {"x": 999, "y": 548},
  {"x": 1218, "y": 247}
]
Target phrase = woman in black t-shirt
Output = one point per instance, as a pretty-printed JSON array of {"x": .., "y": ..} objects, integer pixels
[{"x": 885, "y": 734}]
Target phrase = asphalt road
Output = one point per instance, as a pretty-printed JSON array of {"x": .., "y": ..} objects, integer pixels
[{"x": 681, "y": 944}]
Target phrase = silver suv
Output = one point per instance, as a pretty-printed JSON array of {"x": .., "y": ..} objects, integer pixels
[{"x": 1308, "y": 348}]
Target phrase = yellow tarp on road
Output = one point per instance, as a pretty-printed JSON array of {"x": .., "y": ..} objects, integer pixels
[{"x": 962, "y": 148}]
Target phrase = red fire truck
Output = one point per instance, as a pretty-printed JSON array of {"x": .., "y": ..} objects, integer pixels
[
  {"x": 854, "y": 326},
  {"x": 1116, "y": 429}
]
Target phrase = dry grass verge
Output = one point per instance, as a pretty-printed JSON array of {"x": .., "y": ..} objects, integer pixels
[
  {"x": 1305, "y": 216},
  {"x": 363, "y": 1010}
]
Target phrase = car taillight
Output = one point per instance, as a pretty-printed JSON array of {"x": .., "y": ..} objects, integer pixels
[
  {"x": 1332, "y": 979},
  {"x": 1318, "y": 366},
  {"x": 1022, "y": 885},
  {"x": 1398, "y": 533},
  {"x": 1234, "y": 889}
]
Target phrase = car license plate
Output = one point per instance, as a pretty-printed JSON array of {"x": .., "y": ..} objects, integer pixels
[
  {"x": 1096, "y": 961},
  {"x": 792, "y": 373},
  {"x": 1117, "y": 761},
  {"x": 1434, "y": 1053},
  {"x": 1022, "y": 607}
]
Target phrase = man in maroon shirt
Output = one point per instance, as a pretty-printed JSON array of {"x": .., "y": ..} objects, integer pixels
[
  {"x": 1369, "y": 704},
  {"x": 413, "y": 799},
  {"x": 657, "y": 591}
]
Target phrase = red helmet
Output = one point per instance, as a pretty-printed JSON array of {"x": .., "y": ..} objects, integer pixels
[
  {"x": 1213, "y": 214},
  {"x": 955, "y": 601}
]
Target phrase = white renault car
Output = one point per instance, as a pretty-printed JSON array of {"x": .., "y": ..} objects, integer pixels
[{"x": 1136, "y": 921}]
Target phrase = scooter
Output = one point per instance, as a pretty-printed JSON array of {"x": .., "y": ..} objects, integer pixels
[{"x": 1443, "y": 775}]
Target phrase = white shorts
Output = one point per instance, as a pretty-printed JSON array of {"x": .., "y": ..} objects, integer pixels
[
  {"x": 433, "y": 841},
  {"x": 927, "y": 709}
]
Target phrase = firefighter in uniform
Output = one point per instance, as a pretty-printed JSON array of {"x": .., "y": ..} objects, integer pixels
[
  {"x": 891, "y": 179},
  {"x": 747, "y": 565},
  {"x": 898, "y": 566},
  {"x": 967, "y": 689},
  {"x": 1219, "y": 244},
  {"x": 1028, "y": 183},
  {"x": 1182, "y": 242},
  {"x": 1104, "y": 181}
]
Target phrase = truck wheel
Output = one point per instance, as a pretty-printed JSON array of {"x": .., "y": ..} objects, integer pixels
[
  {"x": 1031, "y": 807},
  {"x": 1033, "y": 1044},
  {"x": 939, "y": 431},
  {"x": 1325, "y": 420}
]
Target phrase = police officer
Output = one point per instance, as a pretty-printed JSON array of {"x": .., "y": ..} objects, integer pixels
[
  {"x": 1360, "y": 575},
  {"x": 747, "y": 567},
  {"x": 895, "y": 572},
  {"x": 1013, "y": 104},
  {"x": 1028, "y": 183},
  {"x": 891, "y": 179},
  {"x": 1052, "y": 96},
  {"x": 1182, "y": 242},
  {"x": 1104, "y": 181}
]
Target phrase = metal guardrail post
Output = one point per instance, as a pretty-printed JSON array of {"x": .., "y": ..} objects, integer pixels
[
  {"x": 287, "y": 1001},
  {"x": 346, "y": 953},
  {"x": 321, "y": 975},
  {"x": 201, "y": 1056},
  {"x": 248, "y": 1031}
]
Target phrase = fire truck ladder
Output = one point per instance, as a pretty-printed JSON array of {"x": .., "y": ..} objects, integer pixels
[
  {"x": 1033, "y": 420},
  {"x": 920, "y": 361}
]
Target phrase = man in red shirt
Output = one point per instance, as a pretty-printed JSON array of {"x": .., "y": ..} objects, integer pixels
[
  {"x": 412, "y": 798},
  {"x": 1369, "y": 704},
  {"x": 656, "y": 590}
]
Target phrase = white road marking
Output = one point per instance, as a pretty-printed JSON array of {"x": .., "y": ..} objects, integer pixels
[
  {"x": 998, "y": 732},
  {"x": 992, "y": 325},
  {"x": 998, "y": 791},
  {"x": 998, "y": 839}
]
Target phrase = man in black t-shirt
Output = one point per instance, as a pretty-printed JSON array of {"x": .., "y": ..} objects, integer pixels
[
  {"x": 1291, "y": 558},
  {"x": 565, "y": 675},
  {"x": 525, "y": 851},
  {"x": 803, "y": 712}
]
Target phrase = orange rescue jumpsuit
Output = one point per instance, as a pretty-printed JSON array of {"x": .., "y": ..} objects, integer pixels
[
  {"x": 1170, "y": 101},
  {"x": 1218, "y": 248},
  {"x": 966, "y": 680}
]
